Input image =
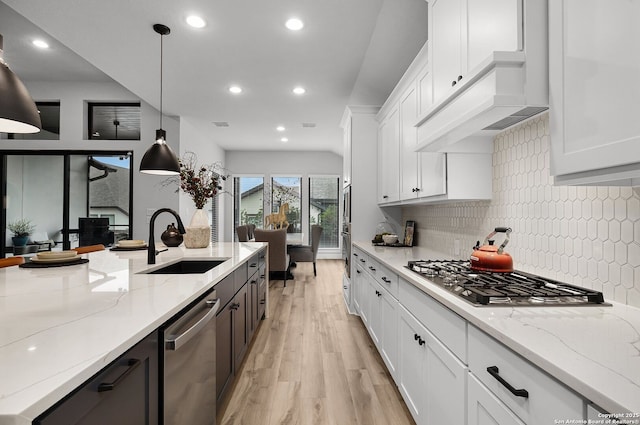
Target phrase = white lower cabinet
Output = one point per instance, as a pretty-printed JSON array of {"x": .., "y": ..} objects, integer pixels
[
  {"x": 432, "y": 380},
  {"x": 447, "y": 370},
  {"x": 531, "y": 394},
  {"x": 379, "y": 312},
  {"x": 384, "y": 324},
  {"x": 484, "y": 408}
]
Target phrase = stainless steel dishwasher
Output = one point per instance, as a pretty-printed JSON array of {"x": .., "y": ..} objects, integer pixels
[{"x": 189, "y": 364}]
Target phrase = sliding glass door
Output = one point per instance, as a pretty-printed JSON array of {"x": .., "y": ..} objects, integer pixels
[{"x": 60, "y": 191}]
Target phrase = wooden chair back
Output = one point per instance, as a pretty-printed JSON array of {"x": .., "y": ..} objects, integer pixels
[{"x": 89, "y": 248}]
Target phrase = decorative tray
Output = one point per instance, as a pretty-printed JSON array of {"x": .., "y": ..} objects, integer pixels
[
  {"x": 394, "y": 245},
  {"x": 32, "y": 265}
]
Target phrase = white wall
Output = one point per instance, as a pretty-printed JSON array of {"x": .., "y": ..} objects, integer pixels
[
  {"x": 194, "y": 139},
  {"x": 148, "y": 190},
  {"x": 280, "y": 163}
]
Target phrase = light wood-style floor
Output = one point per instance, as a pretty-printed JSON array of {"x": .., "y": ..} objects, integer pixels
[{"x": 313, "y": 363}]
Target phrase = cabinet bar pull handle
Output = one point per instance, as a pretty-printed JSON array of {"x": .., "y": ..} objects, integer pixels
[
  {"x": 355, "y": 255},
  {"x": 384, "y": 279},
  {"x": 362, "y": 260},
  {"x": 416, "y": 337},
  {"x": 358, "y": 271},
  {"x": 253, "y": 265},
  {"x": 178, "y": 341},
  {"x": 109, "y": 386},
  {"x": 494, "y": 371},
  {"x": 373, "y": 269},
  {"x": 420, "y": 341}
]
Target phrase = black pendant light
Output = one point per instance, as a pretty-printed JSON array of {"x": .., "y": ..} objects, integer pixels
[
  {"x": 159, "y": 158},
  {"x": 18, "y": 111}
]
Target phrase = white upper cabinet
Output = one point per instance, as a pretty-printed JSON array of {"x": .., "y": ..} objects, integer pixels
[
  {"x": 594, "y": 64},
  {"x": 492, "y": 25},
  {"x": 407, "y": 176},
  {"x": 488, "y": 60},
  {"x": 409, "y": 159},
  {"x": 446, "y": 36},
  {"x": 466, "y": 32},
  {"x": 389, "y": 157},
  {"x": 346, "y": 154}
]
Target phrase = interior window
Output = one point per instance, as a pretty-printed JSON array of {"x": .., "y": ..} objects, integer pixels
[
  {"x": 113, "y": 121},
  {"x": 50, "y": 119}
]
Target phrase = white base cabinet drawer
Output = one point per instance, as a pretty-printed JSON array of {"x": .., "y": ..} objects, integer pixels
[
  {"x": 484, "y": 408},
  {"x": 543, "y": 400},
  {"x": 387, "y": 279},
  {"x": 446, "y": 325}
]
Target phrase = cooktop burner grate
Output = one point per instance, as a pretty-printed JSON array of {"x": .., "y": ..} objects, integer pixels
[{"x": 515, "y": 288}]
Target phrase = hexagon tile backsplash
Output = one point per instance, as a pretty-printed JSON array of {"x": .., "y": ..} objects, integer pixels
[{"x": 585, "y": 235}]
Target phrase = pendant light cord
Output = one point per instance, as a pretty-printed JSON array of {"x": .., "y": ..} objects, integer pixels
[{"x": 161, "y": 50}]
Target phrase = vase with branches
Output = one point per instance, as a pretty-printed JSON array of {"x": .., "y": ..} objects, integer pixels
[{"x": 201, "y": 183}]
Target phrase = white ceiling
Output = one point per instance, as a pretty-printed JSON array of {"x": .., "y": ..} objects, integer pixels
[{"x": 349, "y": 52}]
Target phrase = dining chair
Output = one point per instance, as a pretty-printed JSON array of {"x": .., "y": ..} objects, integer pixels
[
  {"x": 252, "y": 231},
  {"x": 11, "y": 261},
  {"x": 278, "y": 257},
  {"x": 89, "y": 248},
  {"x": 307, "y": 253},
  {"x": 243, "y": 233}
]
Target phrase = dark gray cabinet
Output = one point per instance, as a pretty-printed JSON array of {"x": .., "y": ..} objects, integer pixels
[
  {"x": 124, "y": 393},
  {"x": 237, "y": 320},
  {"x": 231, "y": 340},
  {"x": 257, "y": 293}
]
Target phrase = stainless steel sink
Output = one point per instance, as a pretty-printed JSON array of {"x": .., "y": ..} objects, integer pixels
[{"x": 187, "y": 267}]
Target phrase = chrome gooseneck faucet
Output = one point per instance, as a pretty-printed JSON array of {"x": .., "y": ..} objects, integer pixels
[{"x": 151, "y": 251}]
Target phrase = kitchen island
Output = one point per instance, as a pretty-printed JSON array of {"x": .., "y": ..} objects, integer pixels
[
  {"x": 592, "y": 350},
  {"x": 62, "y": 325}
]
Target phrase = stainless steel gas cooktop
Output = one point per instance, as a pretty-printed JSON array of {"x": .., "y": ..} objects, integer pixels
[{"x": 503, "y": 289}]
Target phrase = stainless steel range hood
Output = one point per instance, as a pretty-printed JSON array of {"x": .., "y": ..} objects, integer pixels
[{"x": 502, "y": 91}]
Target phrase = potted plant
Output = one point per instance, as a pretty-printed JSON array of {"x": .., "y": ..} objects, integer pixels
[{"x": 21, "y": 230}]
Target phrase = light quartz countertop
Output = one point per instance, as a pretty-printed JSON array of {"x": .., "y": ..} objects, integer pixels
[
  {"x": 593, "y": 350},
  {"x": 59, "y": 326}
]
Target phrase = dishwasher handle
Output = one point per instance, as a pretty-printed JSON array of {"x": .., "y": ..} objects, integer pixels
[{"x": 178, "y": 341}]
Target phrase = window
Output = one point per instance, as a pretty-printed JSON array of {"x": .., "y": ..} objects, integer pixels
[
  {"x": 286, "y": 190},
  {"x": 214, "y": 219},
  {"x": 57, "y": 189},
  {"x": 324, "y": 207},
  {"x": 248, "y": 194},
  {"x": 50, "y": 119},
  {"x": 113, "y": 121}
]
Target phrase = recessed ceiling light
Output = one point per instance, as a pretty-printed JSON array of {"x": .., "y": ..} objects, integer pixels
[
  {"x": 235, "y": 89},
  {"x": 294, "y": 24},
  {"x": 280, "y": 128},
  {"x": 299, "y": 90},
  {"x": 41, "y": 44},
  {"x": 284, "y": 140},
  {"x": 196, "y": 21}
]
